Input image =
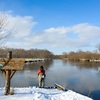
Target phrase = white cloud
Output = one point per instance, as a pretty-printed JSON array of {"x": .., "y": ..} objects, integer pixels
[
  {"x": 76, "y": 36},
  {"x": 21, "y": 25},
  {"x": 86, "y": 31},
  {"x": 85, "y": 35},
  {"x": 59, "y": 30}
]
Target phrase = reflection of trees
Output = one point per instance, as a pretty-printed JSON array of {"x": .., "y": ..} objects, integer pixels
[
  {"x": 36, "y": 65},
  {"x": 87, "y": 65},
  {"x": 83, "y": 64}
]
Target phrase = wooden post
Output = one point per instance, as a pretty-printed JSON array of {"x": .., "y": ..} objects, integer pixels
[
  {"x": 9, "y": 55},
  {"x": 59, "y": 87},
  {"x": 8, "y": 73},
  {"x": 7, "y": 83}
]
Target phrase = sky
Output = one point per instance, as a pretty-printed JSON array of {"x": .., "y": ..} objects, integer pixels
[{"x": 55, "y": 25}]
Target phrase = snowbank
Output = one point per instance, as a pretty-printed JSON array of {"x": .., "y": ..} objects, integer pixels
[{"x": 33, "y": 93}]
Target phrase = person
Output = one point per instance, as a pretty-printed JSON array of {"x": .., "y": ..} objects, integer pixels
[{"x": 41, "y": 76}]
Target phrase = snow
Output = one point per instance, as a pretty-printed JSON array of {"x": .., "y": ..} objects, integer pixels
[{"x": 35, "y": 93}]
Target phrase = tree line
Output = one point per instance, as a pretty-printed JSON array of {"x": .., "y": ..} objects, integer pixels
[
  {"x": 42, "y": 53},
  {"x": 22, "y": 53},
  {"x": 81, "y": 55}
]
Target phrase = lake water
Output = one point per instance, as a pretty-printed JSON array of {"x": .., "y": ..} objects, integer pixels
[{"x": 80, "y": 77}]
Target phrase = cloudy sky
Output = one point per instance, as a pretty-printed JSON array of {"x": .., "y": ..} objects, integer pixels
[{"x": 56, "y": 25}]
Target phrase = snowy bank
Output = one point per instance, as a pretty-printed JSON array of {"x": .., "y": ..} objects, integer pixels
[{"x": 33, "y": 93}]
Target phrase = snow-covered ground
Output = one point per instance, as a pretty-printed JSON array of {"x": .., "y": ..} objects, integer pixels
[{"x": 34, "y": 93}]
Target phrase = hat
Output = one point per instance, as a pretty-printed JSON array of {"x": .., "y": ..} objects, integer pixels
[{"x": 41, "y": 67}]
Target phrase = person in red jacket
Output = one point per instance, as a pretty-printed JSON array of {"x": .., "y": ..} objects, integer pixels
[{"x": 41, "y": 76}]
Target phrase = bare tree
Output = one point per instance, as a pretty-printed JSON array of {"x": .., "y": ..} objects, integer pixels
[{"x": 5, "y": 32}]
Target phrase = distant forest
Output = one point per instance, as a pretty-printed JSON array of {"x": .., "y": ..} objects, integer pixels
[
  {"x": 38, "y": 53},
  {"x": 22, "y": 53},
  {"x": 79, "y": 56}
]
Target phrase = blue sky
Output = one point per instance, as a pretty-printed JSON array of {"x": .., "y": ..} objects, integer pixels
[{"x": 56, "y": 25}]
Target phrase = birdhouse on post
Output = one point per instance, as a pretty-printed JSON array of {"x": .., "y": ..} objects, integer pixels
[{"x": 10, "y": 66}]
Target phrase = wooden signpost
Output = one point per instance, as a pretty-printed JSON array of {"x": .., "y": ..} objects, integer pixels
[{"x": 10, "y": 66}]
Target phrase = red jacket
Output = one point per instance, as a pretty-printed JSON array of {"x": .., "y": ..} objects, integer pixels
[{"x": 41, "y": 71}]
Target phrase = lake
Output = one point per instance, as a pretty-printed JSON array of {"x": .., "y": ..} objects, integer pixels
[{"x": 82, "y": 77}]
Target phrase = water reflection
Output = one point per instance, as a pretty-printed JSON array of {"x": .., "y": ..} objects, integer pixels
[
  {"x": 28, "y": 77},
  {"x": 83, "y": 77},
  {"x": 35, "y": 65},
  {"x": 86, "y": 78},
  {"x": 88, "y": 65}
]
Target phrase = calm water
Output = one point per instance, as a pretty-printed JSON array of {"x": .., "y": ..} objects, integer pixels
[{"x": 80, "y": 77}]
